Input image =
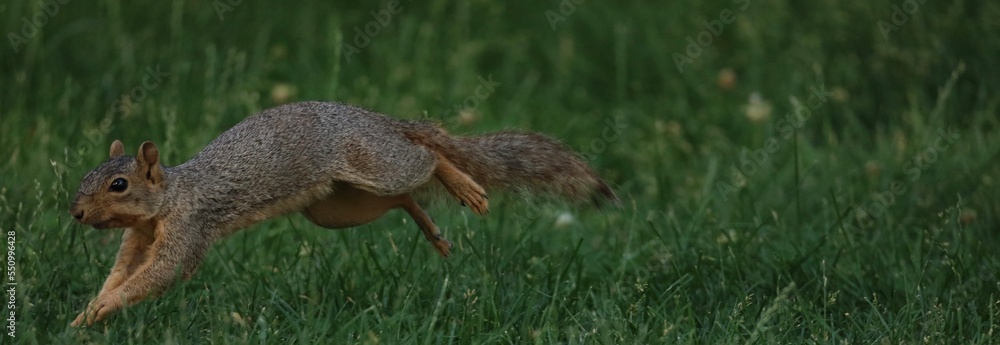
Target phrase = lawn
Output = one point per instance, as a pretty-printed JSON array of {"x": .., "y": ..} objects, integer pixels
[{"x": 791, "y": 172}]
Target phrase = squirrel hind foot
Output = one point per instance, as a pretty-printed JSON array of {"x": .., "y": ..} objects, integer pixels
[
  {"x": 427, "y": 226},
  {"x": 443, "y": 246},
  {"x": 462, "y": 187}
]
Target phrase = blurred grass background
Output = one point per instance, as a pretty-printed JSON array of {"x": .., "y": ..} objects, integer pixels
[{"x": 703, "y": 252}]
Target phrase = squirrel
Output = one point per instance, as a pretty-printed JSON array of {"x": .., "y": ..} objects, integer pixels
[{"x": 339, "y": 165}]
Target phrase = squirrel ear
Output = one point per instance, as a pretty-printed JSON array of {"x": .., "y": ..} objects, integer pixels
[
  {"x": 148, "y": 153},
  {"x": 117, "y": 149},
  {"x": 149, "y": 162}
]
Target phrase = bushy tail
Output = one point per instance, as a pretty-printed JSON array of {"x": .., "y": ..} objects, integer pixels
[{"x": 522, "y": 161}]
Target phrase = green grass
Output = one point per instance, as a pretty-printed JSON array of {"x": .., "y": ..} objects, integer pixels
[{"x": 701, "y": 252}]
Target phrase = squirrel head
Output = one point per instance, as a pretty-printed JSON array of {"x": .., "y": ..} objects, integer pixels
[{"x": 122, "y": 191}]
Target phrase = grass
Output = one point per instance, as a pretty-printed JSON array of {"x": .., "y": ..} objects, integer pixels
[{"x": 736, "y": 228}]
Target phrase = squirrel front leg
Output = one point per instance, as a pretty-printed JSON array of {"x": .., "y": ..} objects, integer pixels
[
  {"x": 131, "y": 255},
  {"x": 165, "y": 255}
]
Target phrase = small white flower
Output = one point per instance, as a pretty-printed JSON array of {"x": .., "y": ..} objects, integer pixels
[
  {"x": 564, "y": 220},
  {"x": 757, "y": 109}
]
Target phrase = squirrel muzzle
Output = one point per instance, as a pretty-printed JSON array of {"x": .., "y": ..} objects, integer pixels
[
  {"x": 86, "y": 215},
  {"x": 80, "y": 212}
]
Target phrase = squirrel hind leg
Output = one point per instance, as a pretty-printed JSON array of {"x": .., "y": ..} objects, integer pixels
[
  {"x": 464, "y": 188},
  {"x": 427, "y": 226}
]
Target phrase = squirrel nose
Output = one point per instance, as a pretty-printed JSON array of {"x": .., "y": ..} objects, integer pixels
[{"x": 78, "y": 214}]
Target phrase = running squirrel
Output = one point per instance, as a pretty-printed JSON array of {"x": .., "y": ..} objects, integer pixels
[{"x": 341, "y": 166}]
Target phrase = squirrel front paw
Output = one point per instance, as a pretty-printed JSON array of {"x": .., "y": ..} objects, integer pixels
[{"x": 96, "y": 311}]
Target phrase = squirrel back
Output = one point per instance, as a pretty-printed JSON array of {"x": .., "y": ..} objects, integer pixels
[{"x": 316, "y": 143}]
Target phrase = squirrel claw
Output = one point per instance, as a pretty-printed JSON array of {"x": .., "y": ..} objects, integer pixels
[
  {"x": 443, "y": 246},
  {"x": 477, "y": 202}
]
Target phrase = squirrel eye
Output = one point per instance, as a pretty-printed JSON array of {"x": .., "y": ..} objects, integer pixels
[{"x": 118, "y": 185}]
